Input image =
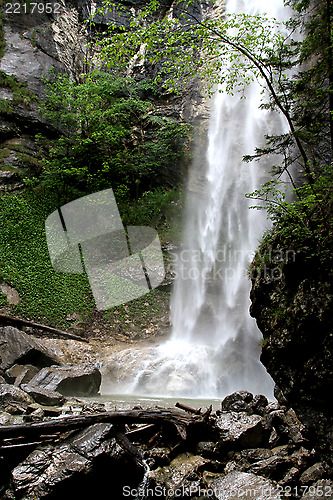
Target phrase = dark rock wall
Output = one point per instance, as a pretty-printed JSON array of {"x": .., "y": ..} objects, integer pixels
[{"x": 292, "y": 301}]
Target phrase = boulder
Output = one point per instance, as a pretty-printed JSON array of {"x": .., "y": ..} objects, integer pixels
[
  {"x": 45, "y": 468},
  {"x": 287, "y": 425},
  {"x": 272, "y": 467},
  {"x": 18, "y": 348},
  {"x": 256, "y": 454},
  {"x": 258, "y": 405},
  {"x": 78, "y": 467},
  {"x": 237, "y": 401},
  {"x": 44, "y": 396},
  {"x": 244, "y": 485},
  {"x": 21, "y": 374},
  {"x": 68, "y": 380},
  {"x": 6, "y": 418},
  {"x": 183, "y": 474},
  {"x": 313, "y": 473},
  {"x": 10, "y": 395},
  {"x": 240, "y": 430}
]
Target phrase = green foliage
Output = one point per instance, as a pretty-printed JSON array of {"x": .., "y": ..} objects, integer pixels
[
  {"x": 25, "y": 263},
  {"x": 111, "y": 136},
  {"x": 160, "y": 208},
  {"x": 188, "y": 44},
  {"x": 307, "y": 219}
]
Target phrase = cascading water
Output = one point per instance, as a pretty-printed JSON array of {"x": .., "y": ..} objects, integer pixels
[{"x": 215, "y": 344}]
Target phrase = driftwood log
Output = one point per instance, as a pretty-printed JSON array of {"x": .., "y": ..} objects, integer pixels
[
  {"x": 26, "y": 433},
  {"x": 13, "y": 321}
]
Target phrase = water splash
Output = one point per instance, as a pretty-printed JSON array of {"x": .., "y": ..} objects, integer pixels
[{"x": 215, "y": 345}]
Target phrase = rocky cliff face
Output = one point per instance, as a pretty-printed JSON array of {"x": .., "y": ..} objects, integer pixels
[
  {"x": 33, "y": 44},
  {"x": 292, "y": 301}
]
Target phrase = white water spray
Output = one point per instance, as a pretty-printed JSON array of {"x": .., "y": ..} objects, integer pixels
[{"x": 215, "y": 344}]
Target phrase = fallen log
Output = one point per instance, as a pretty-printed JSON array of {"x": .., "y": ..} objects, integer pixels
[
  {"x": 179, "y": 419},
  {"x": 14, "y": 321},
  {"x": 189, "y": 409},
  {"x": 132, "y": 451}
]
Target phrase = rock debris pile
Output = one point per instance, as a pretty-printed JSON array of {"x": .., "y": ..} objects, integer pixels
[{"x": 53, "y": 445}]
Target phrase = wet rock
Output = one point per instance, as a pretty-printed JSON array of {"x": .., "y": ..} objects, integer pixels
[
  {"x": 206, "y": 449},
  {"x": 49, "y": 411},
  {"x": 34, "y": 416},
  {"x": 244, "y": 485},
  {"x": 272, "y": 467},
  {"x": 80, "y": 380},
  {"x": 6, "y": 418},
  {"x": 255, "y": 454},
  {"x": 17, "y": 347},
  {"x": 320, "y": 490},
  {"x": 44, "y": 469},
  {"x": 21, "y": 374},
  {"x": 158, "y": 457},
  {"x": 183, "y": 474},
  {"x": 294, "y": 313},
  {"x": 287, "y": 425},
  {"x": 10, "y": 394},
  {"x": 237, "y": 401},
  {"x": 302, "y": 457},
  {"x": 290, "y": 477},
  {"x": 272, "y": 406},
  {"x": 238, "y": 429},
  {"x": 16, "y": 409},
  {"x": 43, "y": 395},
  {"x": 258, "y": 404},
  {"x": 313, "y": 473},
  {"x": 83, "y": 465}
]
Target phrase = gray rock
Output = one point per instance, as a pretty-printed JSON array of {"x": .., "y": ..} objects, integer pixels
[
  {"x": 34, "y": 416},
  {"x": 313, "y": 473},
  {"x": 237, "y": 401},
  {"x": 240, "y": 429},
  {"x": 44, "y": 396},
  {"x": 17, "y": 347},
  {"x": 244, "y": 485},
  {"x": 68, "y": 380},
  {"x": 302, "y": 458},
  {"x": 21, "y": 374},
  {"x": 272, "y": 467},
  {"x": 182, "y": 474},
  {"x": 6, "y": 418},
  {"x": 320, "y": 490},
  {"x": 287, "y": 425},
  {"x": 258, "y": 404},
  {"x": 255, "y": 454},
  {"x": 11, "y": 395},
  {"x": 290, "y": 477},
  {"x": 44, "y": 470}
]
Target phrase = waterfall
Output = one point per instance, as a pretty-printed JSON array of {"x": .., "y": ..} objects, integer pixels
[{"x": 214, "y": 347}]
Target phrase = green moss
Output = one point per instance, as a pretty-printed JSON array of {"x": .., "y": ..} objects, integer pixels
[
  {"x": 29, "y": 160},
  {"x": 141, "y": 312},
  {"x": 47, "y": 295},
  {"x": 21, "y": 94}
]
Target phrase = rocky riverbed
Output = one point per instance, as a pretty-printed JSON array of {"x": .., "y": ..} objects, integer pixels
[{"x": 249, "y": 448}]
